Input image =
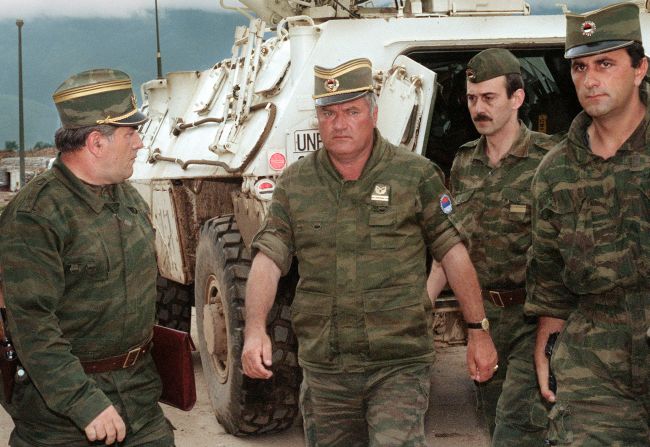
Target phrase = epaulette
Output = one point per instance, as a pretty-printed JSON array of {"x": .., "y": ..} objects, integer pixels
[
  {"x": 470, "y": 144},
  {"x": 32, "y": 191}
]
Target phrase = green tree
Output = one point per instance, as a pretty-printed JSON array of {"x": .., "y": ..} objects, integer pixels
[
  {"x": 42, "y": 145},
  {"x": 11, "y": 145}
]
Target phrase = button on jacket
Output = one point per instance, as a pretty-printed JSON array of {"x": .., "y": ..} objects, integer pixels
[
  {"x": 361, "y": 246},
  {"x": 79, "y": 284}
]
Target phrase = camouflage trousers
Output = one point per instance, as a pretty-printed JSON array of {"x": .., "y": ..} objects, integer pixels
[
  {"x": 602, "y": 364},
  {"x": 512, "y": 406},
  {"x": 383, "y": 407}
]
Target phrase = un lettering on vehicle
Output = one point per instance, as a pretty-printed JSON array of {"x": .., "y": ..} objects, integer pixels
[{"x": 306, "y": 141}]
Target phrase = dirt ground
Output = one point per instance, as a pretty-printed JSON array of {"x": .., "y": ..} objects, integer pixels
[{"x": 452, "y": 420}]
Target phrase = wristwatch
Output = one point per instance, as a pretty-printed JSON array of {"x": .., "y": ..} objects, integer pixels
[{"x": 484, "y": 324}]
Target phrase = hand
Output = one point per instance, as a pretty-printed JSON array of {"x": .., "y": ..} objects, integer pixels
[
  {"x": 542, "y": 367},
  {"x": 107, "y": 425},
  {"x": 256, "y": 354},
  {"x": 481, "y": 355}
]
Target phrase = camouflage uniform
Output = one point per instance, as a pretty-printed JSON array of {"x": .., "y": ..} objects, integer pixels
[
  {"x": 79, "y": 284},
  {"x": 590, "y": 266},
  {"x": 493, "y": 205},
  {"x": 361, "y": 310}
]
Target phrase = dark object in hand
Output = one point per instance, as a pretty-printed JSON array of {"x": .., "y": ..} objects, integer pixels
[{"x": 548, "y": 351}]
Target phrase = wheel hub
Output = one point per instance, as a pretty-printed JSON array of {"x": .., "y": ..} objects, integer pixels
[{"x": 215, "y": 328}]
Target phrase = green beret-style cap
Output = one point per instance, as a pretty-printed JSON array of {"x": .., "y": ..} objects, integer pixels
[
  {"x": 343, "y": 83},
  {"x": 100, "y": 96},
  {"x": 602, "y": 30},
  {"x": 491, "y": 63}
]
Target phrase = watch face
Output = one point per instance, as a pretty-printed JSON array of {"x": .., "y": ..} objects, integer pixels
[{"x": 485, "y": 324}]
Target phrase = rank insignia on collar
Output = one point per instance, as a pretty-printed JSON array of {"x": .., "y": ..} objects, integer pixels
[
  {"x": 380, "y": 195},
  {"x": 445, "y": 204},
  {"x": 588, "y": 28}
]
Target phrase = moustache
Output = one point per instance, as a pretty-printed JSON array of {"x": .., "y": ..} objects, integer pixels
[{"x": 481, "y": 117}]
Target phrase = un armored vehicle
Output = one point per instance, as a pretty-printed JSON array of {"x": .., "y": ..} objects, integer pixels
[{"x": 218, "y": 138}]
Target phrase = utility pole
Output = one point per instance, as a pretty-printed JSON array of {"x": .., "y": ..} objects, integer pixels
[
  {"x": 158, "y": 56},
  {"x": 21, "y": 123}
]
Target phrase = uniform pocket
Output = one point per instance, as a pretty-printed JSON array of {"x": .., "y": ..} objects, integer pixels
[
  {"x": 397, "y": 323},
  {"x": 382, "y": 230},
  {"x": 86, "y": 268},
  {"x": 559, "y": 429},
  {"x": 311, "y": 316}
]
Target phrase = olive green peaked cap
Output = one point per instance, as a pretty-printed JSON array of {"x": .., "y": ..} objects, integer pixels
[
  {"x": 100, "y": 96},
  {"x": 346, "y": 82},
  {"x": 602, "y": 30},
  {"x": 491, "y": 63}
]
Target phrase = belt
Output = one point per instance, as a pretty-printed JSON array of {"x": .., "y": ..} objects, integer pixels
[
  {"x": 505, "y": 298},
  {"x": 117, "y": 362}
]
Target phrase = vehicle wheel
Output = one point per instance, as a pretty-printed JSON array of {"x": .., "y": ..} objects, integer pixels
[
  {"x": 242, "y": 405},
  {"x": 174, "y": 304}
]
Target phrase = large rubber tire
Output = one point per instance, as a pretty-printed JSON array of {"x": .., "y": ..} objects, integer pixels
[
  {"x": 242, "y": 405},
  {"x": 174, "y": 304}
]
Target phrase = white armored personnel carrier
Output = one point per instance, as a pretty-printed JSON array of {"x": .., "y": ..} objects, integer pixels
[{"x": 217, "y": 139}]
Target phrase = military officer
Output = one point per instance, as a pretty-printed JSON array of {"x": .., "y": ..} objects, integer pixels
[
  {"x": 590, "y": 267},
  {"x": 77, "y": 253},
  {"x": 490, "y": 181},
  {"x": 360, "y": 215}
]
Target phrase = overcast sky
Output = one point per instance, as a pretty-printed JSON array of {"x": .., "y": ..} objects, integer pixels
[{"x": 26, "y": 9}]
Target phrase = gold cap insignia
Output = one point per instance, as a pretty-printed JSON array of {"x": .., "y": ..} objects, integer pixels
[
  {"x": 588, "y": 28},
  {"x": 471, "y": 74},
  {"x": 331, "y": 85}
]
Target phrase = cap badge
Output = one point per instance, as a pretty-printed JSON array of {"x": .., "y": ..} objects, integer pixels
[
  {"x": 445, "y": 204},
  {"x": 471, "y": 74},
  {"x": 331, "y": 85},
  {"x": 588, "y": 28}
]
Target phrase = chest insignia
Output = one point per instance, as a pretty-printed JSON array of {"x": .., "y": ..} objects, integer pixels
[
  {"x": 445, "y": 204},
  {"x": 517, "y": 208},
  {"x": 380, "y": 195}
]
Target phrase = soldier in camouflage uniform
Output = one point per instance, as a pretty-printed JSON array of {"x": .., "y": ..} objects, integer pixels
[
  {"x": 490, "y": 180},
  {"x": 590, "y": 262},
  {"x": 360, "y": 215},
  {"x": 77, "y": 251}
]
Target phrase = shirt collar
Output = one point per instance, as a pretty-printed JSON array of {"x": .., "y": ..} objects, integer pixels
[
  {"x": 78, "y": 187},
  {"x": 519, "y": 147},
  {"x": 637, "y": 142}
]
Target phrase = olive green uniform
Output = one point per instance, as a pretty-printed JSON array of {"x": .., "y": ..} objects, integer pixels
[
  {"x": 590, "y": 266},
  {"x": 494, "y": 206},
  {"x": 361, "y": 304},
  {"x": 79, "y": 285}
]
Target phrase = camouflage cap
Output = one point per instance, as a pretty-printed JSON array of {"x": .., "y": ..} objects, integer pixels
[
  {"x": 100, "y": 96},
  {"x": 492, "y": 63},
  {"x": 606, "y": 29},
  {"x": 343, "y": 83}
]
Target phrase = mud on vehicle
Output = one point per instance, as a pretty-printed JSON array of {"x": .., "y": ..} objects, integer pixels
[{"x": 217, "y": 139}]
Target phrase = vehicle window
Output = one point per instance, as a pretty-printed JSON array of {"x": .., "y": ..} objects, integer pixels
[{"x": 550, "y": 103}]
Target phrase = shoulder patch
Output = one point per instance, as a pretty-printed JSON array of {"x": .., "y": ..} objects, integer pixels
[{"x": 445, "y": 204}]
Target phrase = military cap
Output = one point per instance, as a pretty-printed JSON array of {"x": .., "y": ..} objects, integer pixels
[
  {"x": 99, "y": 96},
  {"x": 606, "y": 29},
  {"x": 492, "y": 63},
  {"x": 345, "y": 82}
]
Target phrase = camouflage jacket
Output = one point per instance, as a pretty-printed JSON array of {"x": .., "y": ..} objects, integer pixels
[
  {"x": 361, "y": 248},
  {"x": 79, "y": 284},
  {"x": 494, "y": 203},
  {"x": 591, "y": 221}
]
